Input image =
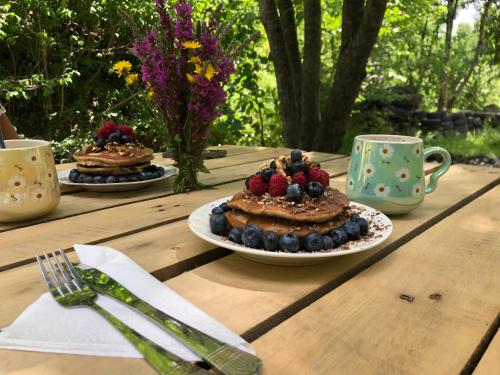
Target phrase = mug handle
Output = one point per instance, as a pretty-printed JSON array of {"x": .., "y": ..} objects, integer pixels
[{"x": 431, "y": 186}]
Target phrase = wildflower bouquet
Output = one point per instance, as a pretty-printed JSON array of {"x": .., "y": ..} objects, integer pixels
[{"x": 184, "y": 70}]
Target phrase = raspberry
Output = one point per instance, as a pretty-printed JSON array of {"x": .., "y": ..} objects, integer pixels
[
  {"x": 299, "y": 178},
  {"x": 106, "y": 129},
  {"x": 277, "y": 185},
  {"x": 324, "y": 178},
  {"x": 257, "y": 185},
  {"x": 126, "y": 129},
  {"x": 314, "y": 174}
]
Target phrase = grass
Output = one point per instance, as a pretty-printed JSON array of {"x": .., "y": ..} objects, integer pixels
[{"x": 474, "y": 144}]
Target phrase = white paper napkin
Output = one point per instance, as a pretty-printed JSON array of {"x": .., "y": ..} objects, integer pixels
[{"x": 45, "y": 326}]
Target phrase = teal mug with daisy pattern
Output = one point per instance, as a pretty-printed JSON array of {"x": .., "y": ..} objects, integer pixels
[
  {"x": 29, "y": 186},
  {"x": 386, "y": 172}
]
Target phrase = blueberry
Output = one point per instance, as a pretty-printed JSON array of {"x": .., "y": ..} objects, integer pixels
[
  {"x": 125, "y": 138},
  {"x": 218, "y": 224},
  {"x": 133, "y": 178},
  {"x": 294, "y": 193},
  {"x": 217, "y": 211},
  {"x": 235, "y": 235},
  {"x": 299, "y": 166},
  {"x": 271, "y": 241},
  {"x": 340, "y": 235},
  {"x": 252, "y": 236},
  {"x": 273, "y": 165},
  {"x": 81, "y": 178},
  {"x": 101, "y": 142},
  {"x": 111, "y": 179},
  {"x": 363, "y": 225},
  {"x": 296, "y": 155},
  {"x": 99, "y": 180},
  {"x": 225, "y": 207},
  {"x": 73, "y": 175},
  {"x": 314, "y": 189},
  {"x": 115, "y": 136},
  {"x": 142, "y": 176},
  {"x": 355, "y": 217},
  {"x": 313, "y": 242},
  {"x": 290, "y": 242},
  {"x": 123, "y": 179},
  {"x": 267, "y": 173},
  {"x": 156, "y": 174},
  {"x": 328, "y": 243},
  {"x": 95, "y": 137},
  {"x": 88, "y": 179},
  {"x": 335, "y": 238},
  {"x": 160, "y": 170},
  {"x": 352, "y": 230}
]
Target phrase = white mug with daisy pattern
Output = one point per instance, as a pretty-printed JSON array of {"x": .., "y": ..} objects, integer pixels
[
  {"x": 29, "y": 186},
  {"x": 387, "y": 172}
]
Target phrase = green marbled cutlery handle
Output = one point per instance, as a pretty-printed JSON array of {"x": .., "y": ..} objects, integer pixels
[{"x": 225, "y": 359}]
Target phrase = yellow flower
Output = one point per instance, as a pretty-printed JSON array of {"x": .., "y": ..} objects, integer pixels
[
  {"x": 210, "y": 72},
  {"x": 191, "y": 44},
  {"x": 122, "y": 67},
  {"x": 151, "y": 94},
  {"x": 198, "y": 69},
  {"x": 131, "y": 79},
  {"x": 190, "y": 77},
  {"x": 195, "y": 60}
]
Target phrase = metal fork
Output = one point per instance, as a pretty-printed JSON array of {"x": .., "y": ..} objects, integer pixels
[{"x": 69, "y": 290}]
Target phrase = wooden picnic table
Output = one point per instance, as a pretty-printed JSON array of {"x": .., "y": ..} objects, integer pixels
[{"x": 346, "y": 316}]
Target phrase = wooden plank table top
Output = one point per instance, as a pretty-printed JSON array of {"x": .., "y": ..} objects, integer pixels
[{"x": 341, "y": 317}]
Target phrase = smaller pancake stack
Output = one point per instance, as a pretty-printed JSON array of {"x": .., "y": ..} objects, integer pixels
[
  {"x": 275, "y": 209},
  {"x": 115, "y": 151}
]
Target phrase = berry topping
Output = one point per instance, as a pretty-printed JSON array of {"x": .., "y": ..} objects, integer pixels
[
  {"x": 289, "y": 242},
  {"x": 218, "y": 224},
  {"x": 99, "y": 180},
  {"x": 313, "y": 242},
  {"x": 217, "y": 211},
  {"x": 363, "y": 225},
  {"x": 299, "y": 166},
  {"x": 352, "y": 230},
  {"x": 257, "y": 185},
  {"x": 271, "y": 241},
  {"x": 101, "y": 142},
  {"x": 252, "y": 236},
  {"x": 235, "y": 235},
  {"x": 73, "y": 175},
  {"x": 111, "y": 179},
  {"x": 125, "y": 138},
  {"x": 277, "y": 185},
  {"x": 115, "y": 136},
  {"x": 299, "y": 178},
  {"x": 225, "y": 207},
  {"x": 339, "y": 235},
  {"x": 267, "y": 173},
  {"x": 296, "y": 155},
  {"x": 314, "y": 174},
  {"x": 314, "y": 189},
  {"x": 106, "y": 129},
  {"x": 273, "y": 164},
  {"x": 125, "y": 129},
  {"x": 327, "y": 243},
  {"x": 294, "y": 193},
  {"x": 324, "y": 178}
]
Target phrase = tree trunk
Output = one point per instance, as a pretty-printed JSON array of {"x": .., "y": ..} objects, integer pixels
[
  {"x": 310, "y": 104},
  {"x": 360, "y": 27},
  {"x": 443, "y": 81},
  {"x": 475, "y": 60},
  {"x": 288, "y": 106}
]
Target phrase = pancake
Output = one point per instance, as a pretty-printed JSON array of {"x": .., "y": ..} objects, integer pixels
[
  {"x": 112, "y": 170},
  {"x": 114, "y": 154},
  {"x": 317, "y": 210},
  {"x": 240, "y": 219}
]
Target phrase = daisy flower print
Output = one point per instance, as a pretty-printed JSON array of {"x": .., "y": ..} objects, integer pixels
[
  {"x": 417, "y": 150},
  {"x": 416, "y": 190},
  {"x": 17, "y": 182},
  {"x": 386, "y": 151},
  {"x": 32, "y": 157},
  {"x": 382, "y": 190},
  {"x": 368, "y": 170},
  {"x": 403, "y": 174}
]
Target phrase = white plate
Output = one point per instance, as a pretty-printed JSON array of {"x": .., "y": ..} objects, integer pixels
[
  {"x": 117, "y": 186},
  {"x": 381, "y": 225}
]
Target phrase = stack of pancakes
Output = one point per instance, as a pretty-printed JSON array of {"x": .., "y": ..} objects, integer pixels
[
  {"x": 281, "y": 216},
  {"x": 113, "y": 159}
]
